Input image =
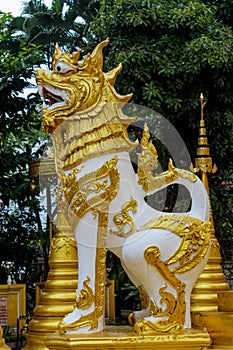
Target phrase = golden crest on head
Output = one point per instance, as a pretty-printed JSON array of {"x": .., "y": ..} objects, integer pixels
[
  {"x": 78, "y": 89},
  {"x": 72, "y": 60}
]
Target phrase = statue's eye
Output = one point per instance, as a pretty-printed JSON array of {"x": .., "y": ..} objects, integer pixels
[{"x": 61, "y": 67}]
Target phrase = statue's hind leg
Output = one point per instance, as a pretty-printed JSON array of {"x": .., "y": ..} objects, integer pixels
[
  {"x": 152, "y": 280},
  {"x": 168, "y": 286}
]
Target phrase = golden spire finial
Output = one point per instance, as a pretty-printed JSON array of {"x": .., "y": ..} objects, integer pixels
[
  {"x": 203, "y": 161},
  {"x": 203, "y": 103}
]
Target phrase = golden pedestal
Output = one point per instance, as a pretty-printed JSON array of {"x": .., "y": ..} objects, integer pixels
[
  {"x": 211, "y": 299},
  {"x": 58, "y": 296},
  {"x": 204, "y": 297},
  {"x": 124, "y": 338},
  {"x": 219, "y": 324}
]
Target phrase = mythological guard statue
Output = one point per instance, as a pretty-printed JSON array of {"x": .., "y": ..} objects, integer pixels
[{"x": 103, "y": 199}]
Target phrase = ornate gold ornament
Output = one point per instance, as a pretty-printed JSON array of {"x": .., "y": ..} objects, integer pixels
[
  {"x": 148, "y": 161},
  {"x": 64, "y": 242},
  {"x": 86, "y": 297},
  {"x": 173, "y": 316},
  {"x": 123, "y": 219},
  {"x": 194, "y": 244},
  {"x": 203, "y": 161},
  {"x": 144, "y": 298},
  {"x": 92, "y": 191}
]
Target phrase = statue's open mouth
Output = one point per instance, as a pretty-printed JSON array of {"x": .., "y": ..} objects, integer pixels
[{"x": 52, "y": 97}]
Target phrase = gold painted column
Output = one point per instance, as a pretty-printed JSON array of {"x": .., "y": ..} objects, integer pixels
[
  {"x": 204, "y": 295},
  {"x": 59, "y": 294}
]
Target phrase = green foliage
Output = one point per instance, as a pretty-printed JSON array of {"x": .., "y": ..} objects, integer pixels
[
  {"x": 9, "y": 334},
  {"x": 64, "y": 22},
  {"x": 171, "y": 52},
  {"x": 21, "y": 137},
  {"x": 126, "y": 294}
]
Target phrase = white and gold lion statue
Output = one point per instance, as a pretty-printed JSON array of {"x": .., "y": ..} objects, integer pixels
[{"x": 104, "y": 199}]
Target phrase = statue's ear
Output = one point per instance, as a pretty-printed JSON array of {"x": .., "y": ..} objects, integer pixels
[
  {"x": 97, "y": 53},
  {"x": 111, "y": 76},
  {"x": 57, "y": 52}
]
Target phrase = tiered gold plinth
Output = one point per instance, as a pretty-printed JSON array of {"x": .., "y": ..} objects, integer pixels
[
  {"x": 124, "y": 338},
  {"x": 211, "y": 299},
  {"x": 219, "y": 324},
  {"x": 204, "y": 296},
  {"x": 58, "y": 297}
]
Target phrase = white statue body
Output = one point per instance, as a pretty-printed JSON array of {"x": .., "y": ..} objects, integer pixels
[{"x": 104, "y": 200}]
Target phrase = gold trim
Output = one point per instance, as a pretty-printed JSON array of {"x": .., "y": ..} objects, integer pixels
[
  {"x": 86, "y": 296},
  {"x": 148, "y": 161},
  {"x": 202, "y": 141},
  {"x": 76, "y": 192},
  {"x": 144, "y": 298},
  {"x": 203, "y": 151},
  {"x": 195, "y": 240},
  {"x": 173, "y": 316},
  {"x": 124, "y": 338},
  {"x": 91, "y": 319},
  {"x": 108, "y": 137},
  {"x": 123, "y": 219},
  {"x": 63, "y": 242}
]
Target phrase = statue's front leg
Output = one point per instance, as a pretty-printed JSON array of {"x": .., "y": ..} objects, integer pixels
[{"x": 88, "y": 313}]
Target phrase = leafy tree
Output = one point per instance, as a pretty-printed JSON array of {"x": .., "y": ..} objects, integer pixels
[
  {"x": 21, "y": 236},
  {"x": 65, "y": 22},
  {"x": 20, "y": 117},
  {"x": 171, "y": 52}
]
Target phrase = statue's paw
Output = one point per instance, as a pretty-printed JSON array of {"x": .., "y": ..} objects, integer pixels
[
  {"x": 135, "y": 316},
  {"x": 80, "y": 321},
  {"x": 60, "y": 327},
  {"x": 151, "y": 324}
]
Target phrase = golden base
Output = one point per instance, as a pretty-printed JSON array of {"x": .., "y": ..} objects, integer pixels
[
  {"x": 218, "y": 324},
  {"x": 40, "y": 329},
  {"x": 204, "y": 297},
  {"x": 221, "y": 347},
  {"x": 36, "y": 341},
  {"x": 124, "y": 338}
]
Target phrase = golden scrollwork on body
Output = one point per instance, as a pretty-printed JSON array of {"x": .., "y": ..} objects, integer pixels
[
  {"x": 194, "y": 244},
  {"x": 174, "y": 313},
  {"x": 86, "y": 296},
  {"x": 90, "y": 191},
  {"x": 123, "y": 219}
]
